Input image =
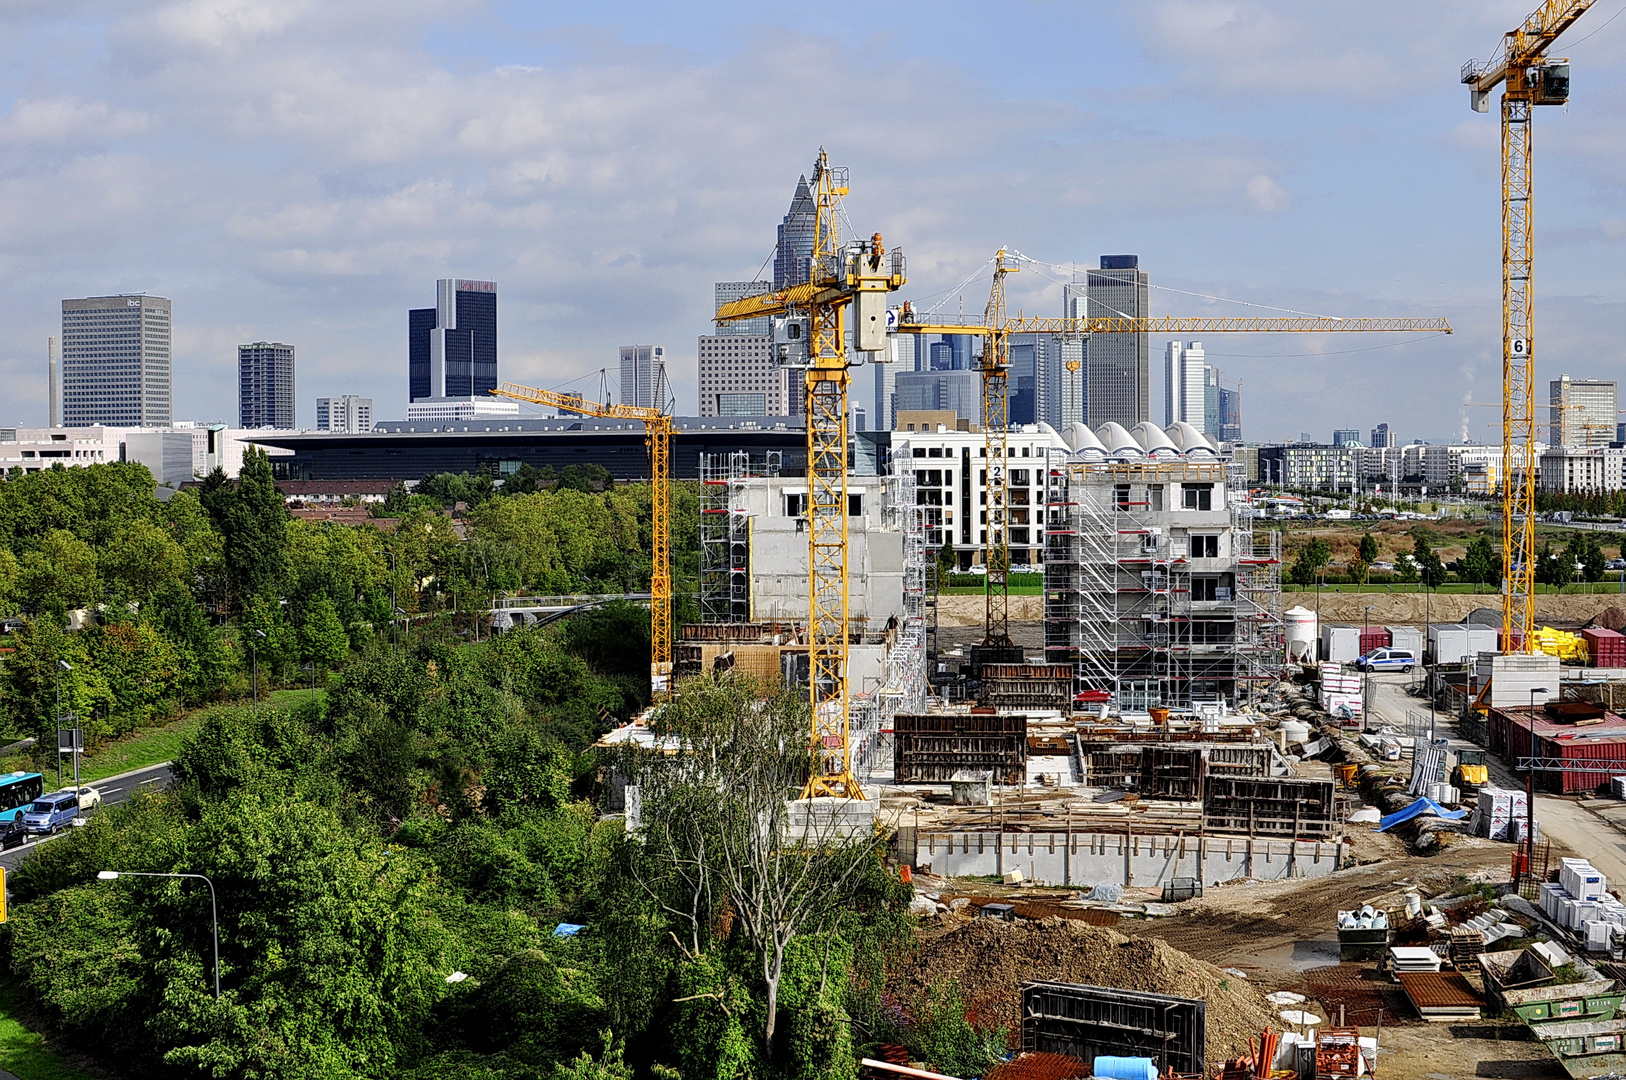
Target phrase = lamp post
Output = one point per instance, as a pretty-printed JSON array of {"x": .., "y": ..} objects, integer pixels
[
  {"x": 1530, "y": 789},
  {"x": 254, "y": 657},
  {"x": 61, "y": 666},
  {"x": 214, "y": 910}
]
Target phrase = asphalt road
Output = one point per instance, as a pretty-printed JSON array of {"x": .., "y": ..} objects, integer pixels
[{"x": 114, "y": 789}]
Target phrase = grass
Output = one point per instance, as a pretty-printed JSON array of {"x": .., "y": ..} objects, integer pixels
[
  {"x": 23, "y": 1052},
  {"x": 149, "y": 746},
  {"x": 1456, "y": 588}
]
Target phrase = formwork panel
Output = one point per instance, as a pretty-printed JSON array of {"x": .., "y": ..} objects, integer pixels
[
  {"x": 1269, "y": 807},
  {"x": 930, "y": 748},
  {"x": 1085, "y": 1022}
]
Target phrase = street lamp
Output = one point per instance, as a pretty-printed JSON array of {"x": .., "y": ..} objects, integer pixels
[
  {"x": 254, "y": 656},
  {"x": 114, "y": 875},
  {"x": 1530, "y": 789},
  {"x": 61, "y": 666}
]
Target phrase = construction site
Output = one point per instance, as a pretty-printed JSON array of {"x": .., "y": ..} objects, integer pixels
[{"x": 1313, "y": 864}]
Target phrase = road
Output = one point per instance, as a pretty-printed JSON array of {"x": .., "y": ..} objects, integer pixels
[
  {"x": 114, "y": 789},
  {"x": 1594, "y": 829}
]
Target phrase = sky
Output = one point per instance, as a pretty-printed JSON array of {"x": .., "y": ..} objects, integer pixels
[{"x": 303, "y": 171}]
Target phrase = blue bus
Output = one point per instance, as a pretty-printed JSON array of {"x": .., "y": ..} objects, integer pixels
[{"x": 17, "y": 790}]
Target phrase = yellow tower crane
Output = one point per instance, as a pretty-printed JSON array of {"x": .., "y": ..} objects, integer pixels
[
  {"x": 859, "y": 275},
  {"x": 658, "y": 436},
  {"x": 997, "y": 330},
  {"x": 1529, "y": 77}
]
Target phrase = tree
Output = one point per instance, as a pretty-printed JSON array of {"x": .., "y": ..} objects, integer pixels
[
  {"x": 1313, "y": 558},
  {"x": 1552, "y": 568},
  {"x": 322, "y": 639},
  {"x": 255, "y": 523},
  {"x": 1430, "y": 570},
  {"x": 716, "y": 813},
  {"x": 947, "y": 559},
  {"x": 1369, "y": 549},
  {"x": 1482, "y": 564}
]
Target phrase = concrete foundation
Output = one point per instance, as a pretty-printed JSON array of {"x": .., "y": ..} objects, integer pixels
[{"x": 1085, "y": 858}]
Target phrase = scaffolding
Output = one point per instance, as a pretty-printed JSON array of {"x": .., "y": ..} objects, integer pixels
[
  {"x": 725, "y": 533},
  {"x": 1154, "y": 603}
]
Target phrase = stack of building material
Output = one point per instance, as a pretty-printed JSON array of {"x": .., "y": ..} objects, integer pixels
[
  {"x": 1562, "y": 644},
  {"x": 1607, "y": 647},
  {"x": 1338, "y": 1053},
  {"x": 1466, "y": 946},
  {"x": 1340, "y": 689},
  {"x": 1617, "y": 786},
  {"x": 1496, "y": 810},
  {"x": 1413, "y": 958},
  {"x": 1581, "y": 879},
  {"x": 1440, "y": 998}
]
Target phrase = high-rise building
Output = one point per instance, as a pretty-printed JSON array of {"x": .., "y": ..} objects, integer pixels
[
  {"x": 1072, "y": 382},
  {"x": 348, "y": 415},
  {"x": 452, "y": 347},
  {"x": 116, "y": 362},
  {"x": 726, "y": 292},
  {"x": 643, "y": 376},
  {"x": 1582, "y": 412},
  {"x": 1211, "y": 402},
  {"x": 793, "y": 255},
  {"x": 1022, "y": 384},
  {"x": 1183, "y": 395},
  {"x": 1346, "y": 437},
  {"x": 1230, "y": 415},
  {"x": 1383, "y": 437},
  {"x": 738, "y": 377},
  {"x": 1117, "y": 377},
  {"x": 265, "y": 385}
]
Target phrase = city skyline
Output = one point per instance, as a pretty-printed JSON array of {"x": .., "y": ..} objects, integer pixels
[{"x": 322, "y": 220}]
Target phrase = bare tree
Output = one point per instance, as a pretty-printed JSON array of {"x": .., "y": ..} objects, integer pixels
[{"x": 722, "y": 818}]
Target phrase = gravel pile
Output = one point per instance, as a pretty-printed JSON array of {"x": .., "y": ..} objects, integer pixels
[{"x": 989, "y": 960}]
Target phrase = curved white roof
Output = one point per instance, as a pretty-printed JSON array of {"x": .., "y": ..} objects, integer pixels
[
  {"x": 1080, "y": 438},
  {"x": 1119, "y": 443},
  {"x": 1189, "y": 439},
  {"x": 1156, "y": 444}
]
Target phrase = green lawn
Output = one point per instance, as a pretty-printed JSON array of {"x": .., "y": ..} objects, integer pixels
[
  {"x": 1457, "y": 589},
  {"x": 23, "y": 1052},
  {"x": 149, "y": 746}
]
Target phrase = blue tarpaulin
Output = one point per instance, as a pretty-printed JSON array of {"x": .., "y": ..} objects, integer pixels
[
  {"x": 568, "y": 929},
  {"x": 1418, "y": 809}
]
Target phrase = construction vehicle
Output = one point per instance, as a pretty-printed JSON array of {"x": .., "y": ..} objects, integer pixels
[
  {"x": 658, "y": 437},
  {"x": 1529, "y": 77},
  {"x": 812, "y": 318},
  {"x": 996, "y": 330},
  {"x": 1470, "y": 773}
]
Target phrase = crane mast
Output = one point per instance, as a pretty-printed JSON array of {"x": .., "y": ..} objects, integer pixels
[
  {"x": 851, "y": 280},
  {"x": 658, "y": 436},
  {"x": 1528, "y": 78}
]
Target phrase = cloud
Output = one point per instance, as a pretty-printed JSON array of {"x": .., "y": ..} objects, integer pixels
[
  {"x": 64, "y": 119},
  {"x": 1267, "y": 196}
]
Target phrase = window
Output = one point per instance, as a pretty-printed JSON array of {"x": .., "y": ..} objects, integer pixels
[
  {"x": 936, "y": 451},
  {"x": 1204, "y": 547},
  {"x": 795, "y": 503},
  {"x": 1205, "y": 588},
  {"x": 1120, "y": 496},
  {"x": 1154, "y": 495},
  {"x": 855, "y": 505},
  {"x": 1197, "y": 496},
  {"x": 920, "y": 451},
  {"x": 1019, "y": 477}
]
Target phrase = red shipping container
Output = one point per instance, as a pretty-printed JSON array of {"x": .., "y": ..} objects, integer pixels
[
  {"x": 1608, "y": 648},
  {"x": 1374, "y": 637}
]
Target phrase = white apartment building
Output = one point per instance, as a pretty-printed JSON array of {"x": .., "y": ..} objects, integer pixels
[
  {"x": 1571, "y": 470},
  {"x": 346, "y": 415}
]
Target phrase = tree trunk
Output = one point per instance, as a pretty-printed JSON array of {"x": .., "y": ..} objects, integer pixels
[{"x": 774, "y": 969}]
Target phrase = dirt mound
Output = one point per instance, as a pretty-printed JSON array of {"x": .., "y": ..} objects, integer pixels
[
  {"x": 989, "y": 960},
  {"x": 1611, "y": 618}
]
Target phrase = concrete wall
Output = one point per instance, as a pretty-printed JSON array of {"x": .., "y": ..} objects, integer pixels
[{"x": 1113, "y": 858}]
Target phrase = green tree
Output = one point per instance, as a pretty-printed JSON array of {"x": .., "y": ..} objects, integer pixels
[
  {"x": 322, "y": 639},
  {"x": 947, "y": 560},
  {"x": 254, "y": 519},
  {"x": 1482, "y": 563},
  {"x": 1430, "y": 570},
  {"x": 141, "y": 560},
  {"x": 1369, "y": 548},
  {"x": 1552, "y": 568},
  {"x": 59, "y": 574},
  {"x": 1312, "y": 559}
]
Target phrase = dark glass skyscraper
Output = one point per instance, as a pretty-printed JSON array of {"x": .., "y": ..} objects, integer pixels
[
  {"x": 452, "y": 347},
  {"x": 793, "y": 257},
  {"x": 1116, "y": 376},
  {"x": 265, "y": 385}
]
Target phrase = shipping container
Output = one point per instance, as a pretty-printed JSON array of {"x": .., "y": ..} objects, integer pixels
[
  {"x": 1086, "y": 1022},
  {"x": 1448, "y": 644},
  {"x": 1374, "y": 637},
  {"x": 1406, "y": 637},
  {"x": 1604, "y": 743},
  {"x": 1607, "y": 647},
  {"x": 1340, "y": 643}
]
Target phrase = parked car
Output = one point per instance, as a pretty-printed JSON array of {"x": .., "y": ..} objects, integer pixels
[
  {"x": 12, "y": 834},
  {"x": 1387, "y": 659},
  {"x": 89, "y": 797},
  {"x": 14, "y": 624},
  {"x": 1615, "y": 564},
  {"x": 978, "y": 569},
  {"x": 49, "y": 813}
]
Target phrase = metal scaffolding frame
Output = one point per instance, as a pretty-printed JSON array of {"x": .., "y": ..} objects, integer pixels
[
  {"x": 725, "y": 533},
  {"x": 1119, "y": 599},
  {"x": 903, "y": 687}
]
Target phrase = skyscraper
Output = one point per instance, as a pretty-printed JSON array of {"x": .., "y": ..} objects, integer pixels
[
  {"x": 1583, "y": 411},
  {"x": 643, "y": 376},
  {"x": 1346, "y": 437},
  {"x": 1211, "y": 402},
  {"x": 452, "y": 347},
  {"x": 116, "y": 362},
  {"x": 1230, "y": 403},
  {"x": 793, "y": 256},
  {"x": 1117, "y": 376},
  {"x": 725, "y": 292},
  {"x": 738, "y": 377},
  {"x": 265, "y": 385},
  {"x": 1183, "y": 384},
  {"x": 348, "y": 415},
  {"x": 1382, "y": 437}
]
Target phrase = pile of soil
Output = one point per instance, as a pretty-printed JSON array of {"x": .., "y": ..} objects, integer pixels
[{"x": 989, "y": 960}]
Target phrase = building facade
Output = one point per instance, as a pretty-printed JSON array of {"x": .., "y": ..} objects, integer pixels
[
  {"x": 726, "y": 292},
  {"x": 452, "y": 347},
  {"x": 959, "y": 392},
  {"x": 1183, "y": 383},
  {"x": 265, "y": 385},
  {"x": 793, "y": 254},
  {"x": 459, "y": 410},
  {"x": 1569, "y": 470},
  {"x": 1230, "y": 406},
  {"x": 1582, "y": 412},
  {"x": 1346, "y": 437},
  {"x": 116, "y": 367},
  {"x": 643, "y": 377},
  {"x": 739, "y": 377},
  {"x": 346, "y": 415},
  {"x": 1117, "y": 375},
  {"x": 1383, "y": 437}
]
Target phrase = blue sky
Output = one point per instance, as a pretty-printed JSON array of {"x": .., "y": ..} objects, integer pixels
[{"x": 303, "y": 171}]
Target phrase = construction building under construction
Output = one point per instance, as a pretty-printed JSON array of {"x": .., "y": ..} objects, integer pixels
[{"x": 1157, "y": 591}]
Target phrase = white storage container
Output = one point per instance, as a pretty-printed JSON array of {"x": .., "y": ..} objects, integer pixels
[
  {"x": 1340, "y": 643},
  {"x": 1448, "y": 644},
  {"x": 1409, "y": 638}
]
